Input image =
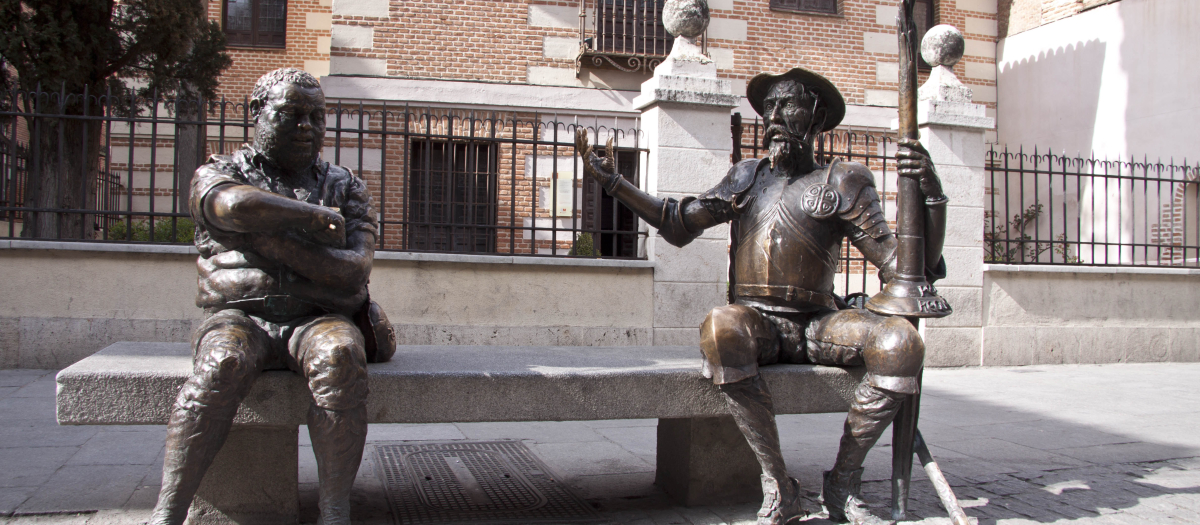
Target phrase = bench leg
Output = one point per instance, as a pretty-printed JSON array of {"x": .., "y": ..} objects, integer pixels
[
  {"x": 706, "y": 461},
  {"x": 252, "y": 481}
]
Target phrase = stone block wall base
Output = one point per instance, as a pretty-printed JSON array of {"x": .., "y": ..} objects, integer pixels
[
  {"x": 706, "y": 461},
  {"x": 253, "y": 480}
]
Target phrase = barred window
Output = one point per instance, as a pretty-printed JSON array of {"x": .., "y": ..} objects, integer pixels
[
  {"x": 255, "y": 23},
  {"x": 615, "y": 223},
  {"x": 806, "y": 6},
  {"x": 451, "y": 197}
]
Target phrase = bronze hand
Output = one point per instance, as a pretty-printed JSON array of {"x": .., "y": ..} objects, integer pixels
[
  {"x": 913, "y": 161},
  {"x": 603, "y": 169}
]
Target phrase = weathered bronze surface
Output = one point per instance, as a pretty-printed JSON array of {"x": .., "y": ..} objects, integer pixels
[
  {"x": 286, "y": 244},
  {"x": 909, "y": 293},
  {"x": 789, "y": 217}
]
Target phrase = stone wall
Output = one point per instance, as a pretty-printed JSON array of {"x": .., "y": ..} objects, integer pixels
[
  {"x": 1057, "y": 315},
  {"x": 64, "y": 301}
]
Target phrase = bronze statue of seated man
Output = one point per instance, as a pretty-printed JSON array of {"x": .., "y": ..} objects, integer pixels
[
  {"x": 286, "y": 244},
  {"x": 789, "y": 216}
]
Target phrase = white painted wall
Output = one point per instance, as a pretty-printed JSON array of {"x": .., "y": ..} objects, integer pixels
[{"x": 1118, "y": 80}]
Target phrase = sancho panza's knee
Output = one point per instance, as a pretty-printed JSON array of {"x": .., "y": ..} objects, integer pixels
[
  {"x": 894, "y": 355},
  {"x": 227, "y": 350},
  {"x": 730, "y": 338},
  {"x": 334, "y": 363}
]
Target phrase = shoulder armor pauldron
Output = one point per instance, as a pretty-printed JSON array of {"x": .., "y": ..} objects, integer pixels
[
  {"x": 738, "y": 180},
  {"x": 860, "y": 200}
]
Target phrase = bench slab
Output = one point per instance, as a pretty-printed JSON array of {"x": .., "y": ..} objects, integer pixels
[{"x": 136, "y": 383}]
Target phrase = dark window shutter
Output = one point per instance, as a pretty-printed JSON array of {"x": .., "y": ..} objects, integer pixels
[{"x": 806, "y": 6}]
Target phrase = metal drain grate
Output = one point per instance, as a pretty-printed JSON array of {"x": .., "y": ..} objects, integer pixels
[{"x": 494, "y": 482}]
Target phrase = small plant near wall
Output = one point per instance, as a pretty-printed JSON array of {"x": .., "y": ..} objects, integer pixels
[
  {"x": 165, "y": 230},
  {"x": 584, "y": 246},
  {"x": 1008, "y": 243}
]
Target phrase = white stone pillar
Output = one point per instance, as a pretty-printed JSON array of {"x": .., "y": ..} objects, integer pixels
[
  {"x": 685, "y": 119},
  {"x": 952, "y": 129}
]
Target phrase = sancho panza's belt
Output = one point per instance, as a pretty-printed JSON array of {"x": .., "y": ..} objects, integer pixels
[
  {"x": 276, "y": 305},
  {"x": 787, "y": 293}
]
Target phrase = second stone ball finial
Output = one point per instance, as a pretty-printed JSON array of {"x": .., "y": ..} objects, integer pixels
[
  {"x": 686, "y": 18},
  {"x": 942, "y": 46}
]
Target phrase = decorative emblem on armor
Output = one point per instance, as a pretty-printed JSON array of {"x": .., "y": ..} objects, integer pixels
[{"x": 820, "y": 201}]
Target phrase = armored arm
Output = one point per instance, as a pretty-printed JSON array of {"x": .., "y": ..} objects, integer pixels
[{"x": 678, "y": 222}]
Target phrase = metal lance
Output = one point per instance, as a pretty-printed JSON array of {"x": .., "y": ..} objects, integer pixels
[{"x": 909, "y": 294}]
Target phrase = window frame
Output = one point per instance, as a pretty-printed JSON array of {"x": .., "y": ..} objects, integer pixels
[
  {"x": 257, "y": 39},
  {"x": 447, "y": 208},
  {"x": 775, "y": 5}
]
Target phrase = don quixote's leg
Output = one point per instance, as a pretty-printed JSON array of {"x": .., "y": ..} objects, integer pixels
[{"x": 730, "y": 339}]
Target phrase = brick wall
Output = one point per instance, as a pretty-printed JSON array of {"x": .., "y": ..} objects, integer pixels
[
  {"x": 307, "y": 47},
  {"x": 1016, "y": 16},
  {"x": 535, "y": 42}
]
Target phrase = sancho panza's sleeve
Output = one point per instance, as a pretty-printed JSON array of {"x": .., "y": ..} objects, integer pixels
[{"x": 350, "y": 193}]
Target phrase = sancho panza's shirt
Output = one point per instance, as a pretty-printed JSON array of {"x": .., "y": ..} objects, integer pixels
[{"x": 233, "y": 275}]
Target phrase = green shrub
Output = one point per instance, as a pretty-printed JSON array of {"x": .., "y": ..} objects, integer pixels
[
  {"x": 165, "y": 230},
  {"x": 584, "y": 247}
]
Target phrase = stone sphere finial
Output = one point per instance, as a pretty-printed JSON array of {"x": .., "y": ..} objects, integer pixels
[
  {"x": 686, "y": 18},
  {"x": 942, "y": 46}
]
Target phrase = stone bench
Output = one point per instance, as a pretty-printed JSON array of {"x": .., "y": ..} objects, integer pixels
[{"x": 701, "y": 456}]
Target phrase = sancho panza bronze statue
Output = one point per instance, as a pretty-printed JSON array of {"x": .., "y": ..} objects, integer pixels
[
  {"x": 789, "y": 216},
  {"x": 286, "y": 243}
]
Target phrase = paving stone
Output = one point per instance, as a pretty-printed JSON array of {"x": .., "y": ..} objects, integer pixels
[
  {"x": 402, "y": 432},
  {"x": 13, "y": 497},
  {"x": 31, "y": 467},
  {"x": 26, "y": 433},
  {"x": 121, "y": 448},
  {"x": 22, "y": 377},
  {"x": 77, "y": 488},
  {"x": 601, "y": 458}
]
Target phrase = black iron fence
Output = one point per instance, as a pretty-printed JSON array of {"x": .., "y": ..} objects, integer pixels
[
  {"x": 1045, "y": 208},
  {"x": 875, "y": 150},
  {"x": 442, "y": 179}
]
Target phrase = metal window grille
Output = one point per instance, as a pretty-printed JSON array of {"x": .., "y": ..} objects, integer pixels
[
  {"x": 627, "y": 35},
  {"x": 441, "y": 179},
  {"x": 1046, "y": 208},
  {"x": 806, "y": 6},
  {"x": 256, "y": 23},
  {"x": 452, "y": 197}
]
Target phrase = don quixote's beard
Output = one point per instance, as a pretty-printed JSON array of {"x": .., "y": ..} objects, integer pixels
[{"x": 785, "y": 149}]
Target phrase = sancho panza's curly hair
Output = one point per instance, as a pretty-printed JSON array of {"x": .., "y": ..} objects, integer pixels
[{"x": 290, "y": 75}]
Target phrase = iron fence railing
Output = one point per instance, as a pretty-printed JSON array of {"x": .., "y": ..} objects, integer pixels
[
  {"x": 442, "y": 179},
  {"x": 1046, "y": 208},
  {"x": 874, "y": 150}
]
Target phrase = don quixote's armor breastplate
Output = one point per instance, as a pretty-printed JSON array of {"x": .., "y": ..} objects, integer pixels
[{"x": 789, "y": 239}]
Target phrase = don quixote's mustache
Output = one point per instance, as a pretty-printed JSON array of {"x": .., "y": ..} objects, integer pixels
[{"x": 776, "y": 131}]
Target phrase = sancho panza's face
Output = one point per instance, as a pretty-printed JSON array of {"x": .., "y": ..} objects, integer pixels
[{"x": 290, "y": 127}]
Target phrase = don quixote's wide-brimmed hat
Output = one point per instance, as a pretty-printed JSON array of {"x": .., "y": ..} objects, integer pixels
[{"x": 830, "y": 98}]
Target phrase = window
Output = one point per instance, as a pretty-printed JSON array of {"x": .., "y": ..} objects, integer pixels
[
  {"x": 255, "y": 23},
  {"x": 603, "y": 213},
  {"x": 923, "y": 16},
  {"x": 627, "y": 35},
  {"x": 451, "y": 197},
  {"x": 829, "y": 7},
  {"x": 632, "y": 27}
]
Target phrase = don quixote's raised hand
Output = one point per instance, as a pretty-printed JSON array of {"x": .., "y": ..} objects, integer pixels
[{"x": 603, "y": 169}]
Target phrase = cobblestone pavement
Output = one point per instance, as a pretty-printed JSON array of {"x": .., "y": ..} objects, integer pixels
[{"x": 1087, "y": 444}]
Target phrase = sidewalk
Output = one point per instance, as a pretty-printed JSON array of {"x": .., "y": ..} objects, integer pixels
[{"x": 1093, "y": 444}]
